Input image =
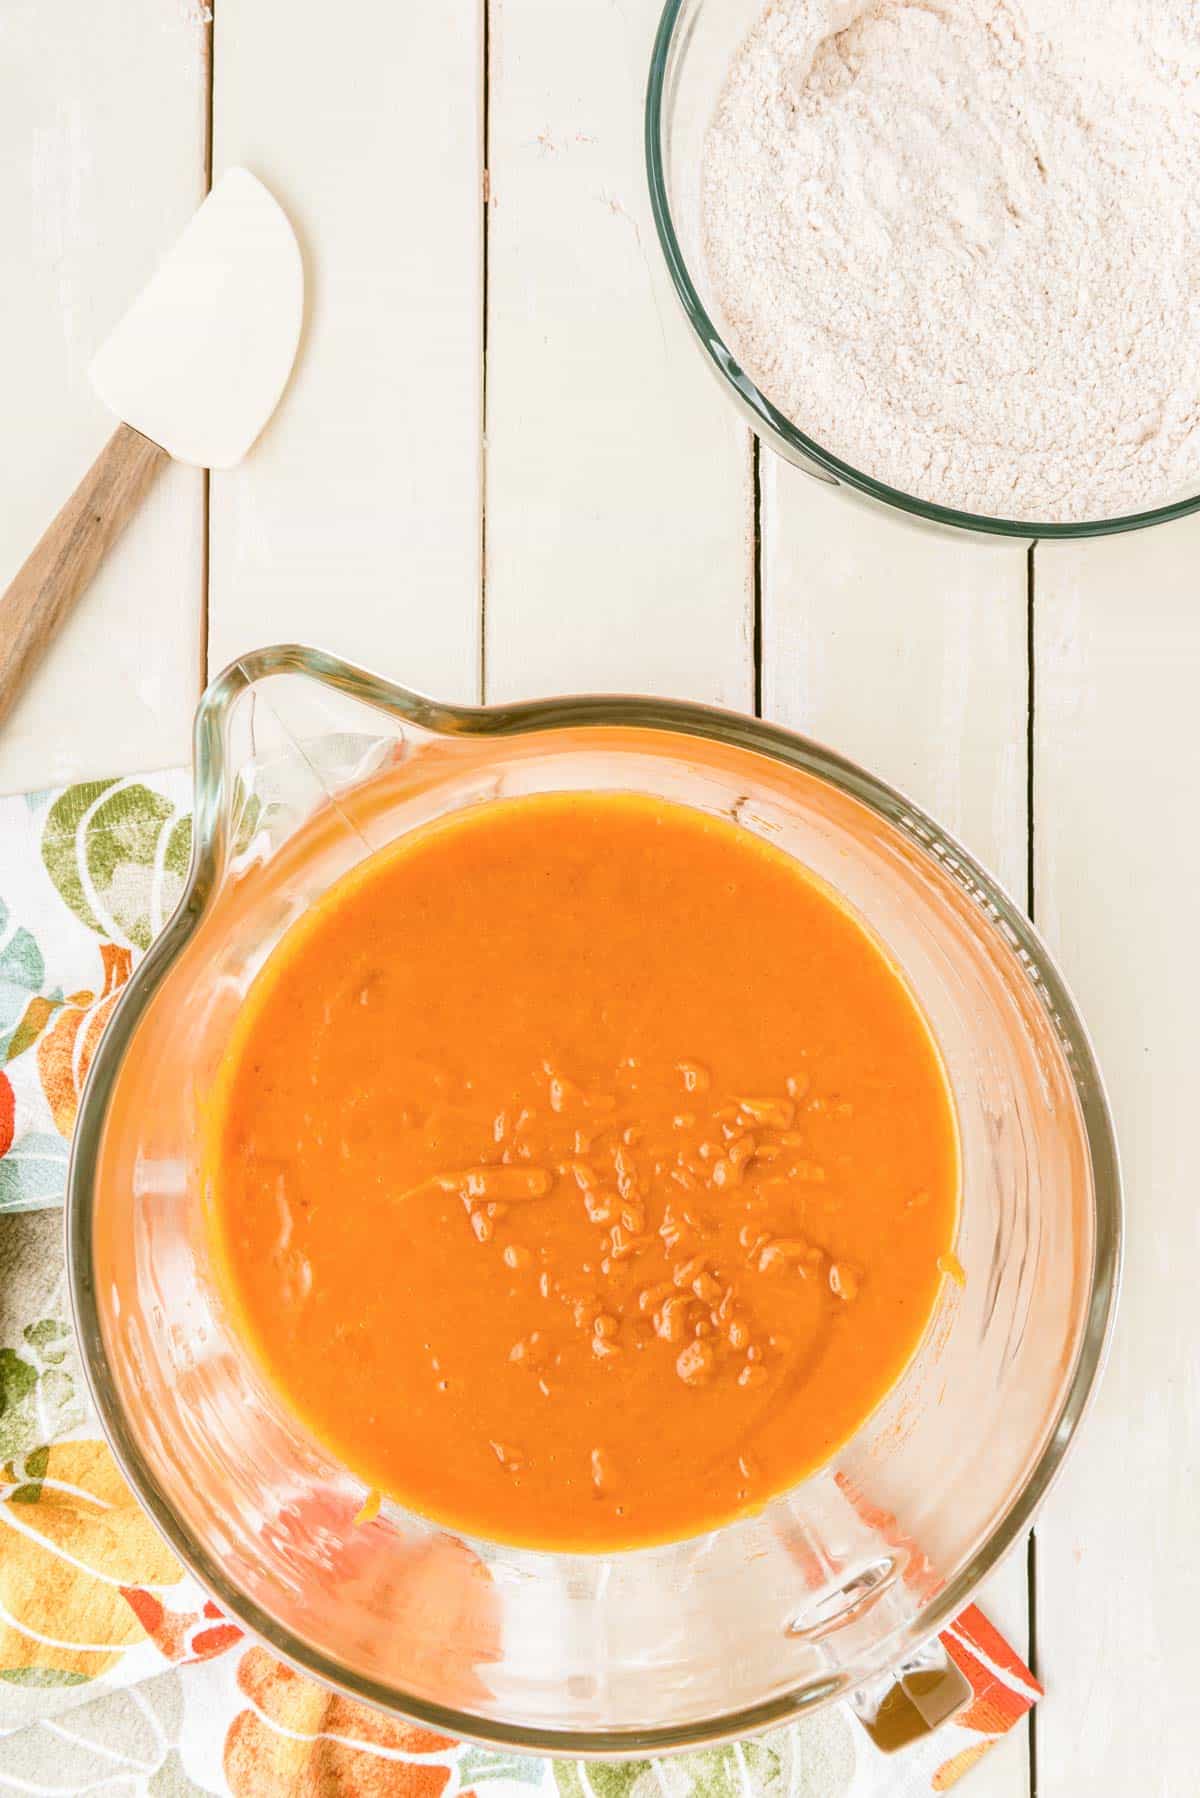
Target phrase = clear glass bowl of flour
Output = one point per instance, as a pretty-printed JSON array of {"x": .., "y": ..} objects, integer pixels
[{"x": 695, "y": 47}]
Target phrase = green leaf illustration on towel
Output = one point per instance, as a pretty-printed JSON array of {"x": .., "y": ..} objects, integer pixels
[
  {"x": 732, "y": 1772},
  {"x": 21, "y": 964},
  {"x": 34, "y": 1172},
  {"x": 33, "y": 1021},
  {"x": 22, "y": 975},
  {"x": 37, "y": 1401},
  {"x": 32, "y": 1471},
  {"x": 479, "y": 1766},
  {"x": 121, "y": 1745},
  {"x": 41, "y": 1676},
  {"x": 814, "y": 1761},
  {"x": 118, "y": 854},
  {"x": 601, "y": 1779}
]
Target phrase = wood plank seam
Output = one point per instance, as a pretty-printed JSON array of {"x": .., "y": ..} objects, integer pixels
[
  {"x": 1030, "y": 723},
  {"x": 909, "y": 652},
  {"x": 756, "y": 572},
  {"x": 1030, "y": 898},
  {"x": 484, "y": 249},
  {"x": 208, "y": 55}
]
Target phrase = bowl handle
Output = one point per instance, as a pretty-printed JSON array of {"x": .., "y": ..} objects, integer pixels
[{"x": 924, "y": 1692}]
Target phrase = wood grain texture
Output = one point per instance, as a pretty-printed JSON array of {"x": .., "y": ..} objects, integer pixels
[
  {"x": 355, "y": 522},
  {"x": 906, "y": 650},
  {"x": 1117, "y": 771},
  {"x": 619, "y": 555},
  {"x": 618, "y": 498},
  {"x": 101, "y": 165},
  {"x": 45, "y": 589}
]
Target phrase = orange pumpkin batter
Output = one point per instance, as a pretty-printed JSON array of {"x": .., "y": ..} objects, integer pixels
[{"x": 580, "y": 1171}]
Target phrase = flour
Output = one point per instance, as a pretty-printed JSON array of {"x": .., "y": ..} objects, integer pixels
[{"x": 957, "y": 242}]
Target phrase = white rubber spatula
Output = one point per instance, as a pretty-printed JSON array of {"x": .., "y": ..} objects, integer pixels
[{"x": 194, "y": 370}]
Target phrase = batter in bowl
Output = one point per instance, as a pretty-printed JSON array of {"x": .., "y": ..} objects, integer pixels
[{"x": 582, "y": 1173}]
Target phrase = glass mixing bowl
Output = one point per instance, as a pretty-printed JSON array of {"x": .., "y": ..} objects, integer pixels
[
  {"x": 694, "y": 46},
  {"x": 838, "y": 1587}
]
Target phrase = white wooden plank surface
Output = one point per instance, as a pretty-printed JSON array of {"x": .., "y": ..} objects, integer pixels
[
  {"x": 619, "y": 555},
  {"x": 355, "y": 523},
  {"x": 618, "y": 501},
  {"x": 1117, "y": 772},
  {"x": 908, "y": 651},
  {"x": 102, "y": 117}
]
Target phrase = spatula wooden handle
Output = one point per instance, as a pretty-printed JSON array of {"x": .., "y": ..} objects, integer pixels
[{"x": 69, "y": 553}]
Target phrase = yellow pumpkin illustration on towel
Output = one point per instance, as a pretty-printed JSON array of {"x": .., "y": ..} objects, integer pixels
[{"x": 71, "y": 1537}]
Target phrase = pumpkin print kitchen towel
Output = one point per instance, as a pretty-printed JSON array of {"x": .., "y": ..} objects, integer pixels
[{"x": 117, "y": 1674}]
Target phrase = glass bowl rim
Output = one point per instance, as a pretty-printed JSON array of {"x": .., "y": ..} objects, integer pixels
[
  {"x": 771, "y": 424},
  {"x": 212, "y": 789}
]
